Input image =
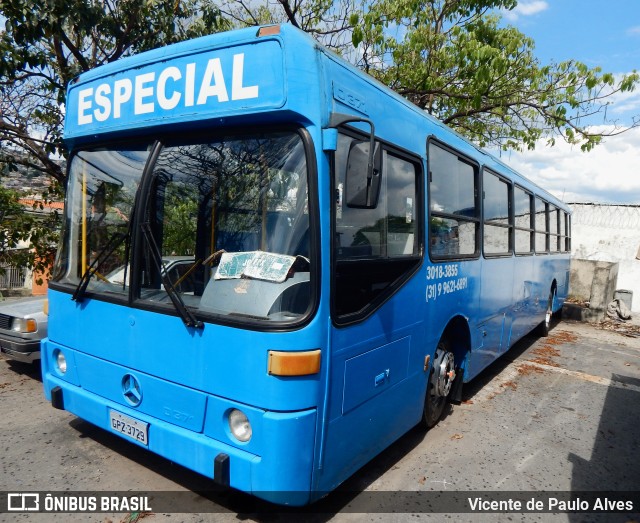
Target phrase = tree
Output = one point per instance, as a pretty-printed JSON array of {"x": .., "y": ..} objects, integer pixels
[
  {"x": 45, "y": 45},
  {"x": 18, "y": 226},
  {"x": 328, "y": 21},
  {"x": 453, "y": 59},
  {"x": 14, "y": 224},
  {"x": 450, "y": 57},
  {"x": 48, "y": 43}
]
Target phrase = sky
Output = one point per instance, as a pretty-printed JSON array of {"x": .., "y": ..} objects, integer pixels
[
  {"x": 602, "y": 34},
  {"x": 599, "y": 34}
]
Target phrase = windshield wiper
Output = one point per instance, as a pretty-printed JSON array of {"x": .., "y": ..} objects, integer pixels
[
  {"x": 185, "y": 314},
  {"x": 113, "y": 243}
]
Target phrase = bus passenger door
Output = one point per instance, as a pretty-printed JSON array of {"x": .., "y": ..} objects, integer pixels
[
  {"x": 495, "y": 305},
  {"x": 377, "y": 305},
  {"x": 497, "y": 264}
]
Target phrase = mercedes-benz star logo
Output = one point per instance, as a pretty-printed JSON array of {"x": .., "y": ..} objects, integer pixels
[{"x": 131, "y": 390}]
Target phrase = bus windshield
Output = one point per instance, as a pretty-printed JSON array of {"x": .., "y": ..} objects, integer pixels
[
  {"x": 226, "y": 224},
  {"x": 100, "y": 202}
]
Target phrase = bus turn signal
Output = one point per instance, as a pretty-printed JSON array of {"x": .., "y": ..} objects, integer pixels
[{"x": 294, "y": 363}]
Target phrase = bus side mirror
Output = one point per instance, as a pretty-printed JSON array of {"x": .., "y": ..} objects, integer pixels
[{"x": 362, "y": 181}]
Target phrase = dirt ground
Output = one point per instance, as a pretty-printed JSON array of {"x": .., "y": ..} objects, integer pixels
[{"x": 554, "y": 414}]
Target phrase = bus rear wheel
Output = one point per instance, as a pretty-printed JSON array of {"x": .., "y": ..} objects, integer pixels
[
  {"x": 545, "y": 326},
  {"x": 441, "y": 377}
]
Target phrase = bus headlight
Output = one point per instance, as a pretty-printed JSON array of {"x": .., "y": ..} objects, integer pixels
[
  {"x": 61, "y": 361},
  {"x": 239, "y": 425}
]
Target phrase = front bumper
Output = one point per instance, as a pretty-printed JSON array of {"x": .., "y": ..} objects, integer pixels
[
  {"x": 275, "y": 465},
  {"x": 19, "y": 349}
]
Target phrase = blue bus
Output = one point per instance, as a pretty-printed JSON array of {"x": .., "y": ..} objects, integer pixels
[{"x": 272, "y": 266}]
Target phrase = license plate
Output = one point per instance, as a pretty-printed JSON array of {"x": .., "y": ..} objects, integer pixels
[{"x": 131, "y": 428}]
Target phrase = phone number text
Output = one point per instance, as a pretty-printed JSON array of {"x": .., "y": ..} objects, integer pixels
[{"x": 435, "y": 290}]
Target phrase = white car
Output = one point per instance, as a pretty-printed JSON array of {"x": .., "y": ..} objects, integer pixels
[{"x": 23, "y": 323}]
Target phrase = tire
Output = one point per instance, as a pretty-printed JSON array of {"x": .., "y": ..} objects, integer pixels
[
  {"x": 441, "y": 377},
  {"x": 545, "y": 326},
  {"x": 558, "y": 314}
]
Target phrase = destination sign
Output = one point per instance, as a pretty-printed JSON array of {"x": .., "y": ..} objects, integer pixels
[{"x": 200, "y": 85}]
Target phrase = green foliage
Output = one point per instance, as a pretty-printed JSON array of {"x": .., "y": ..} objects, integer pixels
[
  {"x": 15, "y": 224},
  {"x": 455, "y": 60},
  {"x": 19, "y": 227},
  {"x": 47, "y": 43},
  {"x": 44, "y": 45},
  {"x": 180, "y": 221}
]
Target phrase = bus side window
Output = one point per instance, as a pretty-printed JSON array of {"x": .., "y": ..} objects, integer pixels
[
  {"x": 496, "y": 212},
  {"x": 554, "y": 229},
  {"x": 542, "y": 226},
  {"x": 566, "y": 228},
  {"x": 454, "y": 220},
  {"x": 374, "y": 246},
  {"x": 523, "y": 201}
]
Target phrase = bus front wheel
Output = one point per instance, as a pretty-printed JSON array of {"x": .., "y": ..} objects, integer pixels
[{"x": 441, "y": 377}]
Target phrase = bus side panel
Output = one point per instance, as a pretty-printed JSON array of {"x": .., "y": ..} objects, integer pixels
[
  {"x": 496, "y": 304},
  {"x": 377, "y": 383},
  {"x": 362, "y": 433},
  {"x": 357, "y": 430},
  {"x": 457, "y": 297},
  {"x": 554, "y": 267},
  {"x": 523, "y": 309}
]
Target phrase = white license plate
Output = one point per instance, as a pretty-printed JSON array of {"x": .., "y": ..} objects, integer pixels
[{"x": 131, "y": 428}]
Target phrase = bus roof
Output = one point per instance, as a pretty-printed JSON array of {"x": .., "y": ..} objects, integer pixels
[{"x": 248, "y": 76}]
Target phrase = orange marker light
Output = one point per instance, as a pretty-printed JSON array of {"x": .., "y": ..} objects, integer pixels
[
  {"x": 294, "y": 363},
  {"x": 270, "y": 30}
]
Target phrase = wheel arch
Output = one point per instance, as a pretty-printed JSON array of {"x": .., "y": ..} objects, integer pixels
[
  {"x": 554, "y": 292},
  {"x": 458, "y": 333},
  {"x": 456, "y": 337}
]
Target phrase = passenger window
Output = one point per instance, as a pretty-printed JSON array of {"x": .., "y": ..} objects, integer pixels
[
  {"x": 554, "y": 229},
  {"x": 454, "y": 209},
  {"x": 374, "y": 248},
  {"x": 522, "y": 202},
  {"x": 497, "y": 220},
  {"x": 566, "y": 245},
  {"x": 542, "y": 229}
]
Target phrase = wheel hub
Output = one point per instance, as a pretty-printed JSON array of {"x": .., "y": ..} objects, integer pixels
[{"x": 444, "y": 373}]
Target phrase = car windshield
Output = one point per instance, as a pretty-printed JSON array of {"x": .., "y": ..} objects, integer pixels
[{"x": 226, "y": 225}]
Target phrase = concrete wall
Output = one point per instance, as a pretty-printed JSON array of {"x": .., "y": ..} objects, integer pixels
[
  {"x": 594, "y": 282},
  {"x": 609, "y": 233}
]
